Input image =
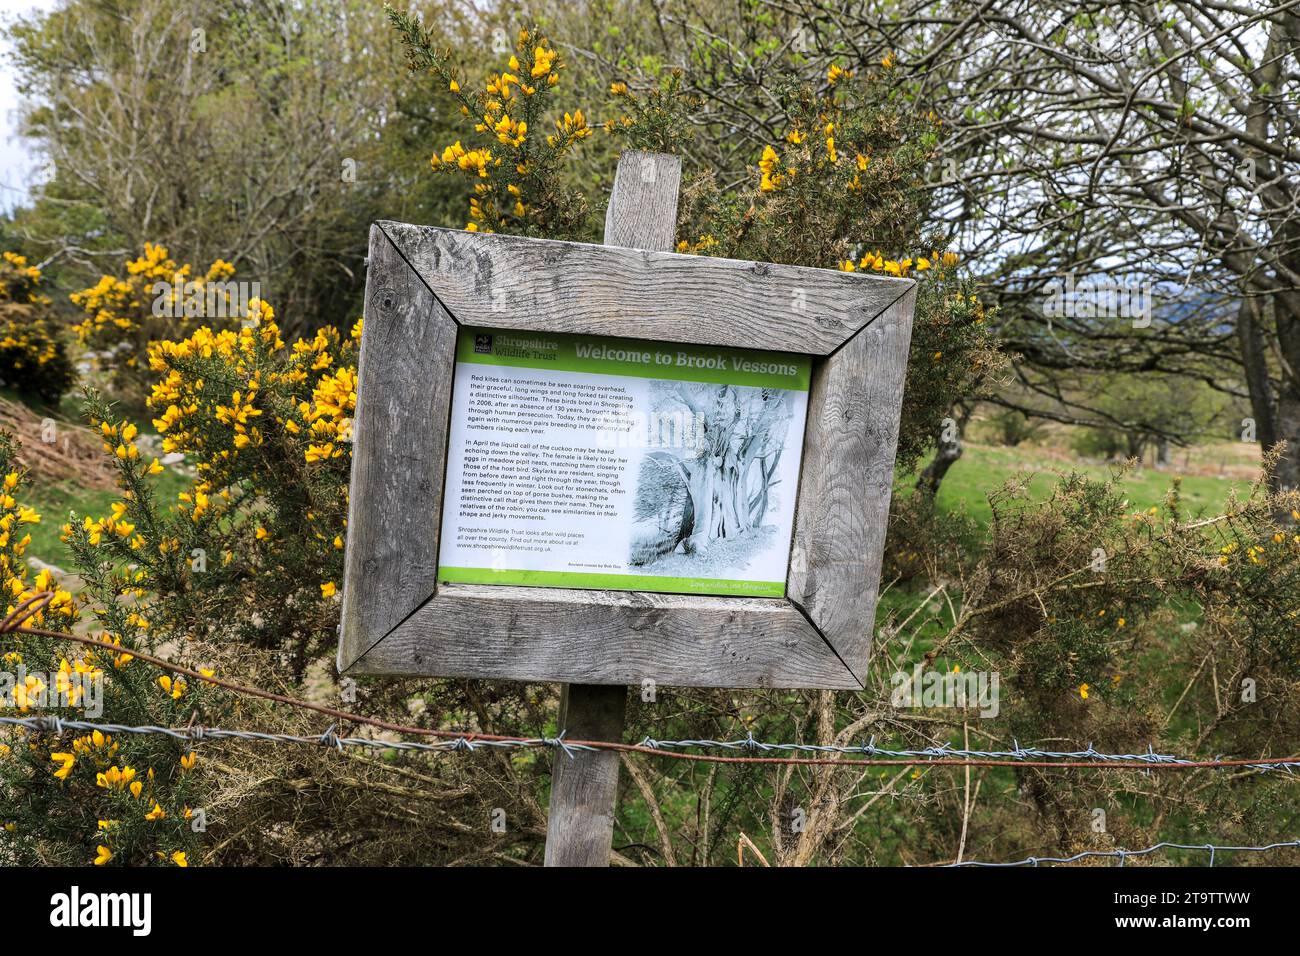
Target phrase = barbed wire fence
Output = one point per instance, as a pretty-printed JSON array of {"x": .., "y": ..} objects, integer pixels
[
  {"x": 1124, "y": 855},
  {"x": 929, "y": 756},
  {"x": 449, "y": 741}
]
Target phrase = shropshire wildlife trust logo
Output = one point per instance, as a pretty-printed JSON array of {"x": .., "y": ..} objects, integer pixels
[
  {"x": 191, "y": 299},
  {"x": 1102, "y": 297},
  {"x": 922, "y": 688},
  {"x": 25, "y": 690}
]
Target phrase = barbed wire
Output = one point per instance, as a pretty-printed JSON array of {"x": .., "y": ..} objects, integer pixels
[
  {"x": 942, "y": 755},
  {"x": 1123, "y": 855},
  {"x": 450, "y": 740},
  {"x": 196, "y": 734}
]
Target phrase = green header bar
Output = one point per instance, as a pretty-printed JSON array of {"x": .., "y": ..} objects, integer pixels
[
  {"x": 612, "y": 582},
  {"x": 636, "y": 358}
]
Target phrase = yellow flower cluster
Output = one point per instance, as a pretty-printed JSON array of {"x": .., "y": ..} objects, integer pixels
[
  {"x": 150, "y": 300},
  {"x": 837, "y": 73},
  {"x": 698, "y": 246},
  {"x": 1258, "y": 553},
  {"x": 109, "y": 302},
  {"x": 13, "y": 570},
  {"x": 114, "y": 302},
  {"x": 901, "y": 268},
  {"x": 510, "y": 132},
  {"x": 302, "y": 393},
  {"x": 84, "y": 670},
  {"x": 504, "y": 111},
  {"x": 29, "y": 331},
  {"x": 28, "y": 694},
  {"x": 119, "y": 778},
  {"x": 330, "y": 414},
  {"x": 125, "y": 779},
  {"x": 821, "y": 136},
  {"x": 477, "y": 160},
  {"x": 773, "y": 178},
  {"x": 17, "y": 269},
  {"x": 97, "y": 747},
  {"x": 569, "y": 128}
]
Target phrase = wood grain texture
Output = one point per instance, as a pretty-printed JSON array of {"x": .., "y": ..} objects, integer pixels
[
  {"x": 608, "y": 637},
  {"x": 539, "y": 285},
  {"x": 843, "y": 504},
  {"x": 399, "y": 448},
  {"x": 642, "y": 211},
  {"x": 820, "y": 638},
  {"x": 584, "y": 786}
]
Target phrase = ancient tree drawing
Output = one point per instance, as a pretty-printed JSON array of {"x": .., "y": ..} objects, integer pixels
[{"x": 717, "y": 485}]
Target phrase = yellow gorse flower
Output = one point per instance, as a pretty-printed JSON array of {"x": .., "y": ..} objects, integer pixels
[
  {"x": 66, "y": 761},
  {"x": 837, "y": 73},
  {"x": 115, "y": 778}
]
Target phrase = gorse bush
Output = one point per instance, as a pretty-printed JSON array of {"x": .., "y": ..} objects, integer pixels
[
  {"x": 1126, "y": 630},
  {"x": 76, "y": 797},
  {"x": 516, "y": 145},
  {"x": 33, "y": 357},
  {"x": 841, "y": 190},
  {"x": 156, "y": 298},
  {"x": 658, "y": 118},
  {"x": 253, "y": 550}
]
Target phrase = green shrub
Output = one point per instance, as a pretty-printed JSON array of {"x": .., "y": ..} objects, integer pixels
[{"x": 33, "y": 357}]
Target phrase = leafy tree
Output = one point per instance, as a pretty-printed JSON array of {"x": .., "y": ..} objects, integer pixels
[{"x": 264, "y": 134}]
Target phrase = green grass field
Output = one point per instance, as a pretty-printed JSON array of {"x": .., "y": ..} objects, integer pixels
[
  {"x": 54, "y": 501},
  {"x": 983, "y": 469}
]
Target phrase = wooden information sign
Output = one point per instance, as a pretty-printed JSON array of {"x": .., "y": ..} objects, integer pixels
[
  {"x": 425, "y": 283},
  {"x": 517, "y": 513}
]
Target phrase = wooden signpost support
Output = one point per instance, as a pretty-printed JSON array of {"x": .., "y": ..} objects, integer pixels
[
  {"x": 642, "y": 214},
  {"x": 405, "y": 615}
]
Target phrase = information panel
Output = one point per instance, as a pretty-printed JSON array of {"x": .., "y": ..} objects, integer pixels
[{"x": 585, "y": 462}]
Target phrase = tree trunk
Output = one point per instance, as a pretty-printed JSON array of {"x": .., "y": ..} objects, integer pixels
[
  {"x": 1287, "y": 476},
  {"x": 1254, "y": 360},
  {"x": 701, "y": 488},
  {"x": 758, "y": 504},
  {"x": 950, "y": 449}
]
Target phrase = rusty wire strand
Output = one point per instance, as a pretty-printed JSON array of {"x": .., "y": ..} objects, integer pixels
[{"x": 461, "y": 740}]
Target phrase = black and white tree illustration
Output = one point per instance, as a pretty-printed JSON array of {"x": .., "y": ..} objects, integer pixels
[{"x": 719, "y": 485}]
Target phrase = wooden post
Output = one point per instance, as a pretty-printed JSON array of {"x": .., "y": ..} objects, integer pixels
[
  {"x": 642, "y": 214},
  {"x": 580, "y": 825}
]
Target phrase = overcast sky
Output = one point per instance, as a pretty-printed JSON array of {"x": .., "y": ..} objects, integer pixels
[{"x": 18, "y": 164}]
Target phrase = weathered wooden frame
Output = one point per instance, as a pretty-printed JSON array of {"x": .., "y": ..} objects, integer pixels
[{"x": 423, "y": 282}]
